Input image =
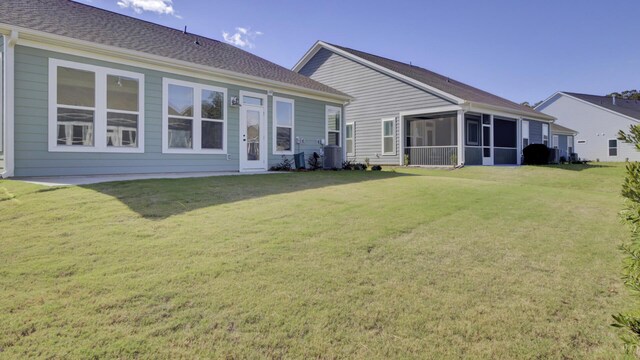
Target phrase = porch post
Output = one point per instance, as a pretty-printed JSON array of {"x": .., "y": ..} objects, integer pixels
[
  {"x": 519, "y": 142},
  {"x": 460, "y": 137},
  {"x": 401, "y": 140}
]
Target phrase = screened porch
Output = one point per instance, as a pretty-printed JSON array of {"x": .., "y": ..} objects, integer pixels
[{"x": 431, "y": 139}]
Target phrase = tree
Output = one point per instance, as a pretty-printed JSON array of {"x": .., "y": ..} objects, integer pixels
[
  {"x": 627, "y": 94},
  {"x": 629, "y": 323}
]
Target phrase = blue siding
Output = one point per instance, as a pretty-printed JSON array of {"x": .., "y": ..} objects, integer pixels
[
  {"x": 31, "y": 126},
  {"x": 535, "y": 131},
  {"x": 472, "y": 155}
]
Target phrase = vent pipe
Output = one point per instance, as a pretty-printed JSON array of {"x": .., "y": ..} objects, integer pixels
[{"x": 613, "y": 99}]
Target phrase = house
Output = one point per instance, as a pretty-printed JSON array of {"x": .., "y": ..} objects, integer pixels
[
  {"x": 88, "y": 91},
  {"x": 562, "y": 138},
  {"x": 597, "y": 119},
  {"x": 402, "y": 113}
]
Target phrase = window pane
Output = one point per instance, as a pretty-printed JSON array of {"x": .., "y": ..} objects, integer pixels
[
  {"x": 388, "y": 144},
  {"x": 333, "y": 120},
  {"x": 122, "y": 129},
  {"x": 388, "y": 128},
  {"x": 122, "y": 93},
  {"x": 284, "y": 113},
  {"x": 76, "y": 87},
  {"x": 180, "y": 133},
  {"x": 283, "y": 139},
  {"x": 212, "y": 135},
  {"x": 613, "y": 143},
  {"x": 75, "y": 127},
  {"x": 212, "y": 104},
  {"x": 250, "y": 100},
  {"x": 349, "y": 146},
  {"x": 472, "y": 132},
  {"x": 334, "y": 138},
  {"x": 180, "y": 100},
  {"x": 613, "y": 152},
  {"x": 349, "y": 132}
]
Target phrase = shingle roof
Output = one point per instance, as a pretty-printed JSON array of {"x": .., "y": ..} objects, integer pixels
[
  {"x": 443, "y": 83},
  {"x": 559, "y": 128},
  {"x": 629, "y": 108},
  {"x": 84, "y": 22}
]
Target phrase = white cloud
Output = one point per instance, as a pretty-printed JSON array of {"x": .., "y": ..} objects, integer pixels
[
  {"x": 243, "y": 37},
  {"x": 163, "y": 7}
]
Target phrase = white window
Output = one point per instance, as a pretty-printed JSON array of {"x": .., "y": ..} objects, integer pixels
[
  {"x": 350, "y": 138},
  {"x": 525, "y": 133},
  {"x": 333, "y": 123},
  {"x": 569, "y": 145},
  {"x": 95, "y": 109},
  {"x": 283, "y": 121},
  {"x": 194, "y": 118},
  {"x": 545, "y": 134},
  {"x": 389, "y": 136},
  {"x": 613, "y": 147},
  {"x": 473, "y": 131},
  {"x": 556, "y": 140}
]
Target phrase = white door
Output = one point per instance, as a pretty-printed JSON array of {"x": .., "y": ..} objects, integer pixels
[
  {"x": 487, "y": 140},
  {"x": 253, "y": 133}
]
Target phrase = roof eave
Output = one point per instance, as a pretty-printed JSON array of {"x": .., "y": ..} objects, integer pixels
[{"x": 68, "y": 42}]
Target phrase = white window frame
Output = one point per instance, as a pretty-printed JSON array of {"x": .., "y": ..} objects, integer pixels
[
  {"x": 393, "y": 136},
  {"x": 609, "y": 147},
  {"x": 570, "y": 145},
  {"x": 100, "y": 109},
  {"x": 277, "y": 99},
  {"x": 545, "y": 134},
  {"x": 352, "y": 138},
  {"x": 556, "y": 141},
  {"x": 197, "y": 118},
  {"x": 326, "y": 124},
  {"x": 525, "y": 133}
]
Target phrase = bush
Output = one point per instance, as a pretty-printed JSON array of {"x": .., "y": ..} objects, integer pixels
[
  {"x": 376, "y": 168},
  {"x": 285, "y": 165},
  {"x": 348, "y": 165},
  {"x": 536, "y": 154},
  {"x": 314, "y": 161}
]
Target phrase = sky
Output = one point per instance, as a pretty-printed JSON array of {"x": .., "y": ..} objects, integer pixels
[{"x": 520, "y": 50}]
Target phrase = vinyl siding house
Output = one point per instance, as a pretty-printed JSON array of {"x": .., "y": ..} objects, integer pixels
[
  {"x": 87, "y": 91},
  {"x": 403, "y": 112},
  {"x": 597, "y": 120},
  {"x": 562, "y": 138}
]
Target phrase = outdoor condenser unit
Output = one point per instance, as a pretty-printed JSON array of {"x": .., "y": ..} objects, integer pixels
[{"x": 332, "y": 157}]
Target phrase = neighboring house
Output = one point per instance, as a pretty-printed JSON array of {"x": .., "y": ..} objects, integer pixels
[
  {"x": 562, "y": 138},
  {"x": 88, "y": 91},
  {"x": 597, "y": 119},
  {"x": 400, "y": 110}
]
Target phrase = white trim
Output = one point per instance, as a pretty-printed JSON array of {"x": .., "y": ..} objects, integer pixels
[
  {"x": 488, "y": 161},
  {"x": 377, "y": 67},
  {"x": 264, "y": 157},
  {"x": 393, "y": 136},
  {"x": 505, "y": 112},
  {"x": 327, "y": 108},
  {"x": 277, "y": 99},
  {"x": 555, "y": 141},
  {"x": 9, "y": 102},
  {"x": 433, "y": 110},
  {"x": 100, "y": 109},
  {"x": 461, "y": 136},
  {"x": 92, "y": 50},
  {"x": 586, "y": 102},
  {"x": 197, "y": 119},
  {"x": 467, "y": 132},
  {"x": 352, "y": 138}
]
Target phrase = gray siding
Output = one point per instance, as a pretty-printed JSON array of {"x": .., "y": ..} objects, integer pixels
[
  {"x": 376, "y": 96},
  {"x": 535, "y": 132},
  {"x": 31, "y": 126}
]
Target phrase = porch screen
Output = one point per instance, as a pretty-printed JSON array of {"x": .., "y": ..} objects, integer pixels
[{"x": 505, "y": 133}]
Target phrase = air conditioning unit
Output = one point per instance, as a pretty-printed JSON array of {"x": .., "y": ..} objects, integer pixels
[{"x": 332, "y": 157}]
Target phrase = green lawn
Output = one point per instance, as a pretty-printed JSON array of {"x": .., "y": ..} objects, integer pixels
[{"x": 482, "y": 262}]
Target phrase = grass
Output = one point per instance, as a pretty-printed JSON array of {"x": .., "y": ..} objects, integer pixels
[{"x": 474, "y": 263}]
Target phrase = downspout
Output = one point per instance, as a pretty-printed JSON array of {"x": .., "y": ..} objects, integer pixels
[{"x": 8, "y": 102}]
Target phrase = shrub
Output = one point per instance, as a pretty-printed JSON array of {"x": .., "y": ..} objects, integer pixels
[
  {"x": 376, "y": 168},
  {"x": 285, "y": 165},
  {"x": 348, "y": 165},
  {"x": 536, "y": 154},
  {"x": 629, "y": 323}
]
